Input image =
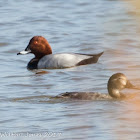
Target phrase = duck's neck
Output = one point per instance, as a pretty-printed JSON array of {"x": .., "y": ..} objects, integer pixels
[
  {"x": 41, "y": 54},
  {"x": 115, "y": 93},
  {"x": 46, "y": 50}
]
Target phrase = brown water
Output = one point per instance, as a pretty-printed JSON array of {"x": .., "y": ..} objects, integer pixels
[{"x": 74, "y": 26}]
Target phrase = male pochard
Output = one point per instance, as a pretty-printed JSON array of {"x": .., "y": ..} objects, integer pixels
[{"x": 44, "y": 59}]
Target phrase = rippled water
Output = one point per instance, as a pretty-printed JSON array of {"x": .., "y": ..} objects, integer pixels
[{"x": 82, "y": 26}]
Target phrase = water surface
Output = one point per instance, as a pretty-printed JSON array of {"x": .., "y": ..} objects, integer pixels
[{"x": 73, "y": 26}]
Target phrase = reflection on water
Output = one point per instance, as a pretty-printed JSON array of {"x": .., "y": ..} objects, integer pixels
[{"x": 75, "y": 26}]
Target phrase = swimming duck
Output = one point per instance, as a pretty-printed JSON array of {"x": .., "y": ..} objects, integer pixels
[
  {"x": 116, "y": 83},
  {"x": 44, "y": 59}
]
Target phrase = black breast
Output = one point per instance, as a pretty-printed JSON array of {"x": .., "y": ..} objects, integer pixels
[{"x": 33, "y": 64}]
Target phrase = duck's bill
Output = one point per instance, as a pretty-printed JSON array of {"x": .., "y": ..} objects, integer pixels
[
  {"x": 24, "y": 52},
  {"x": 131, "y": 86}
]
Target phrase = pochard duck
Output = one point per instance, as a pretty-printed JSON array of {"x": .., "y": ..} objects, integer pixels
[
  {"x": 116, "y": 83},
  {"x": 44, "y": 59}
]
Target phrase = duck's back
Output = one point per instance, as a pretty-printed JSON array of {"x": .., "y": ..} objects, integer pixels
[{"x": 84, "y": 96}]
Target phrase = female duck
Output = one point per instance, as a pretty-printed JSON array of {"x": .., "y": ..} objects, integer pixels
[
  {"x": 116, "y": 83},
  {"x": 44, "y": 58}
]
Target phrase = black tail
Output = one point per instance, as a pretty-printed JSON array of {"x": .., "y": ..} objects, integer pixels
[
  {"x": 100, "y": 54},
  {"x": 90, "y": 60}
]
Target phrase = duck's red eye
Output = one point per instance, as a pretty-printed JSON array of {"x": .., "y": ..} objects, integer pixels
[{"x": 35, "y": 42}]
